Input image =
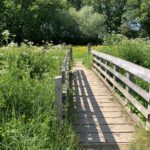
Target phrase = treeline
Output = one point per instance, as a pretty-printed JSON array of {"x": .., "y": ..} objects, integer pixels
[{"x": 74, "y": 21}]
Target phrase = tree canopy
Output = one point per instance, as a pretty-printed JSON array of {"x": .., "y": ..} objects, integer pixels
[{"x": 74, "y": 21}]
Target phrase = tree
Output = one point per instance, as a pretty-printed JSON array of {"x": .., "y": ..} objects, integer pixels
[
  {"x": 91, "y": 23},
  {"x": 78, "y": 4},
  {"x": 145, "y": 16},
  {"x": 112, "y": 9}
]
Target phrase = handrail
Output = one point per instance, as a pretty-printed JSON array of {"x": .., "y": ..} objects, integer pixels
[
  {"x": 111, "y": 75},
  {"x": 61, "y": 86},
  {"x": 137, "y": 70}
]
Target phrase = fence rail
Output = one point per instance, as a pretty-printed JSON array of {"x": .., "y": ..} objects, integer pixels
[
  {"x": 120, "y": 75},
  {"x": 61, "y": 86}
]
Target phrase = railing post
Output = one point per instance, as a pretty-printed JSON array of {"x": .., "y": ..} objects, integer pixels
[
  {"x": 148, "y": 121},
  {"x": 58, "y": 96},
  {"x": 88, "y": 48},
  {"x": 116, "y": 68},
  {"x": 70, "y": 79},
  {"x": 63, "y": 75},
  {"x": 129, "y": 76},
  {"x": 70, "y": 53}
]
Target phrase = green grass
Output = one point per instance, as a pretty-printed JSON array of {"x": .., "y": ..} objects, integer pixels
[
  {"x": 27, "y": 112},
  {"x": 136, "y": 51},
  {"x": 79, "y": 52},
  {"x": 141, "y": 140}
]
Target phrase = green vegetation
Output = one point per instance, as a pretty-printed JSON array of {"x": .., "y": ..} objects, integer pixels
[
  {"x": 27, "y": 112},
  {"x": 79, "y": 52},
  {"x": 74, "y": 21},
  {"x": 27, "y": 72},
  {"x": 141, "y": 140},
  {"x": 134, "y": 50}
]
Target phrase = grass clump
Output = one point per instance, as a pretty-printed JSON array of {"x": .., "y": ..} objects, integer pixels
[{"x": 87, "y": 61}]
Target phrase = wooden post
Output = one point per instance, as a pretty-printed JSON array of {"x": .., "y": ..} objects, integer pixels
[
  {"x": 64, "y": 99},
  {"x": 63, "y": 75},
  {"x": 58, "y": 95},
  {"x": 148, "y": 121},
  {"x": 71, "y": 54},
  {"x": 116, "y": 69},
  {"x": 130, "y": 77},
  {"x": 89, "y": 48},
  {"x": 70, "y": 79}
]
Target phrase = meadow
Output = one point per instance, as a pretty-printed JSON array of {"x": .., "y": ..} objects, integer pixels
[{"x": 27, "y": 112}]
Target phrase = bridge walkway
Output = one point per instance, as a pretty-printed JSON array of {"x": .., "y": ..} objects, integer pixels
[{"x": 100, "y": 120}]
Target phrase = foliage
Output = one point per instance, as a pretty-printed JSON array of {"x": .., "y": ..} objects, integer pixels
[
  {"x": 33, "y": 20},
  {"x": 131, "y": 50},
  {"x": 27, "y": 112},
  {"x": 113, "y": 39},
  {"x": 145, "y": 16},
  {"x": 79, "y": 52},
  {"x": 87, "y": 61},
  {"x": 75, "y": 21},
  {"x": 141, "y": 140},
  {"x": 91, "y": 23}
]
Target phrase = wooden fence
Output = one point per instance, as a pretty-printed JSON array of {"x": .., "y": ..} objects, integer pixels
[
  {"x": 120, "y": 75},
  {"x": 61, "y": 86}
]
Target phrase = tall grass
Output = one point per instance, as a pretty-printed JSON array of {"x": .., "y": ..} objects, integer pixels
[
  {"x": 134, "y": 50},
  {"x": 141, "y": 140},
  {"x": 27, "y": 112},
  {"x": 79, "y": 52}
]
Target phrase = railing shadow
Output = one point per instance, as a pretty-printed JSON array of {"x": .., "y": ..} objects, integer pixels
[{"x": 90, "y": 132}]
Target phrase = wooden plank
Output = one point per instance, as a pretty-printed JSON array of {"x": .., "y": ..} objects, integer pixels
[
  {"x": 100, "y": 114},
  {"x": 103, "y": 128},
  {"x": 100, "y": 121},
  {"x": 94, "y": 94},
  {"x": 96, "y": 109},
  {"x": 107, "y": 138},
  {"x": 58, "y": 96},
  {"x": 139, "y": 71},
  {"x": 96, "y": 104},
  {"x": 92, "y": 98}
]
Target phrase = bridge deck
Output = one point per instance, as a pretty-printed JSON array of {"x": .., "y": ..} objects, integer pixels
[{"x": 100, "y": 121}]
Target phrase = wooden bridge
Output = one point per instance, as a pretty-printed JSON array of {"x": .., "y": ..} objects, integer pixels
[{"x": 102, "y": 120}]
